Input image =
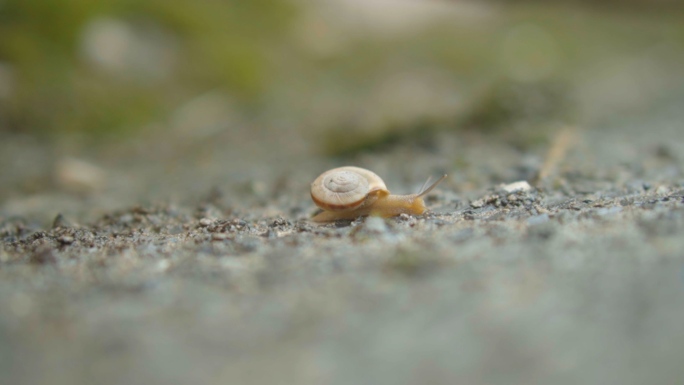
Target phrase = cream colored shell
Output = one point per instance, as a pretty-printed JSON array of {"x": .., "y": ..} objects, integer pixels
[{"x": 345, "y": 188}]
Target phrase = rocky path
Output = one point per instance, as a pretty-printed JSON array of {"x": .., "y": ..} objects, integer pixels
[{"x": 579, "y": 279}]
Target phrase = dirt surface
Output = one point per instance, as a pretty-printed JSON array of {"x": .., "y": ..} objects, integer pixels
[{"x": 183, "y": 277}]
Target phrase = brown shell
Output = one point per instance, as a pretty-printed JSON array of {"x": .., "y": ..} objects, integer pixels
[{"x": 345, "y": 188}]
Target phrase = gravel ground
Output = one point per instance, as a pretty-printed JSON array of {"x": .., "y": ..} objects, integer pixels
[{"x": 578, "y": 280}]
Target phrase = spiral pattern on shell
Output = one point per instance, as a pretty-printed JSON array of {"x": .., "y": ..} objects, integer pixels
[{"x": 344, "y": 188}]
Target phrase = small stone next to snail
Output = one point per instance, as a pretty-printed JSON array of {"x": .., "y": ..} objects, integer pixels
[{"x": 352, "y": 192}]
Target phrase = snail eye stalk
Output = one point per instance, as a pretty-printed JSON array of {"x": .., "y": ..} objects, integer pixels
[{"x": 424, "y": 190}]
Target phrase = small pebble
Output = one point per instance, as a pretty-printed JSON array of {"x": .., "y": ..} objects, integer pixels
[
  {"x": 279, "y": 222},
  {"x": 204, "y": 222},
  {"x": 79, "y": 176},
  {"x": 662, "y": 190},
  {"x": 126, "y": 218},
  {"x": 219, "y": 236},
  {"x": 517, "y": 186},
  {"x": 65, "y": 239}
]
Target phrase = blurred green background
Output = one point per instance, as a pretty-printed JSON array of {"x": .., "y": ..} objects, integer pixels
[
  {"x": 173, "y": 80},
  {"x": 116, "y": 67}
]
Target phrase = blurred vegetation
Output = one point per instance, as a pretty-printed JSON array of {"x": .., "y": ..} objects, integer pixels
[
  {"x": 350, "y": 80},
  {"x": 66, "y": 78},
  {"x": 526, "y": 71},
  {"x": 520, "y": 113}
]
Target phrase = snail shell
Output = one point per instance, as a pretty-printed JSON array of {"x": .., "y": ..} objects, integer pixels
[{"x": 346, "y": 188}]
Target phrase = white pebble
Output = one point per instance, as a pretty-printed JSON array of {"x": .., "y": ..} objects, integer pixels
[
  {"x": 517, "y": 186},
  {"x": 79, "y": 176}
]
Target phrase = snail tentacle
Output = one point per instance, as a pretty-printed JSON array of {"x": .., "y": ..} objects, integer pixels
[{"x": 424, "y": 191}]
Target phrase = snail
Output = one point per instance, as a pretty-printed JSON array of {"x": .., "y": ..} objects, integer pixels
[{"x": 351, "y": 192}]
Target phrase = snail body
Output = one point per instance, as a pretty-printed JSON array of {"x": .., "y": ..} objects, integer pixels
[{"x": 352, "y": 192}]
